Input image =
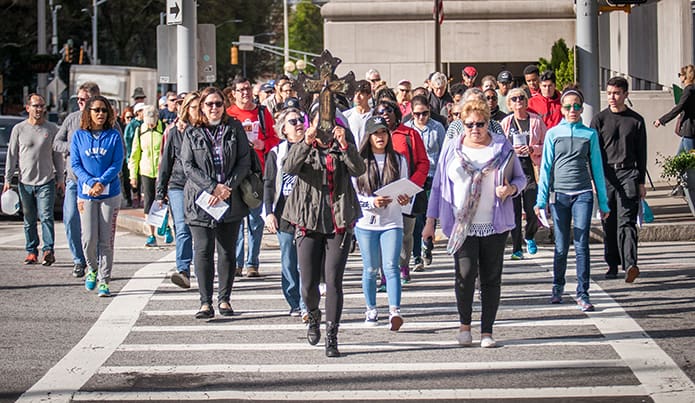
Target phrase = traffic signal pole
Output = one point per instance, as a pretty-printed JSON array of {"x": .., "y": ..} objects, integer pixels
[
  {"x": 587, "y": 56},
  {"x": 186, "y": 52}
]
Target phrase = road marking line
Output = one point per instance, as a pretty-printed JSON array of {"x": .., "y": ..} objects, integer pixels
[
  {"x": 370, "y": 395},
  {"x": 114, "y": 324},
  {"x": 358, "y": 367}
]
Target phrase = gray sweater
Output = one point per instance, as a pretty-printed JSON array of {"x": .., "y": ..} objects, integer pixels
[
  {"x": 32, "y": 147},
  {"x": 63, "y": 139}
]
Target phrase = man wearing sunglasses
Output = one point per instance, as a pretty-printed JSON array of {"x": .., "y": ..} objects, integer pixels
[
  {"x": 547, "y": 102},
  {"x": 168, "y": 114},
  {"x": 40, "y": 173},
  {"x": 258, "y": 124},
  {"x": 623, "y": 140}
]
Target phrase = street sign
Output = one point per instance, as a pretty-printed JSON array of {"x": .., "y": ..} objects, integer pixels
[
  {"x": 206, "y": 60},
  {"x": 246, "y": 43},
  {"x": 174, "y": 12},
  {"x": 207, "y": 55}
]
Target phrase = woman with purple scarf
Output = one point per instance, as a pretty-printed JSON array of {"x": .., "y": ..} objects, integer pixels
[{"x": 477, "y": 176}]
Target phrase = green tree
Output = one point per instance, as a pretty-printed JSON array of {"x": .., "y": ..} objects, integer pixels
[
  {"x": 561, "y": 62},
  {"x": 306, "y": 28}
]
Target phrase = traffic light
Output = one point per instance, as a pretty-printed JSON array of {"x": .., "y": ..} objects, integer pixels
[
  {"x": 81, "y": 59},
  {"x": 234, "y": 54},
  {"x": 67, "y": 53}
]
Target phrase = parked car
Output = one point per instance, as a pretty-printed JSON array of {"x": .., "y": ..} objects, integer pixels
[{"x": 6, "y": 124}]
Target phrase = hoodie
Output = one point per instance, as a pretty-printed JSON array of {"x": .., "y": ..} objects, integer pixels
[{"x": 95, "y": 158}]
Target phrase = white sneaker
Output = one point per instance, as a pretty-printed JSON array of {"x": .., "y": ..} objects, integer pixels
[
  {"x": 488, "y": 342},
  {"x": 465, "y": 338},
  {"x": 322, "y": 289},
  {"x": 395, "y": 320},
  {"x": 371, "y": 317}
]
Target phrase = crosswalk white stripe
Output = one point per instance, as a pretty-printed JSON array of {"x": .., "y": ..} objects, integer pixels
[
  {"x": 358, "y": 367},
  {"x": 370, "y": 395}
]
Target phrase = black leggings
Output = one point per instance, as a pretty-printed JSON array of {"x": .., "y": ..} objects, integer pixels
[
  {"x": 315, "y": 252},
  {"x": 484, "y": 256},
  {"x": 204, "y": 241},
  {"x": 148, "y": 188}
]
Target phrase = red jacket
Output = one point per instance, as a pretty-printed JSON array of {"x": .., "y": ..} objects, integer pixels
[
  {"x": 249, "y": 120},
  {"x": 400, "y": 144},
  {"x": 550, "y": 109}
]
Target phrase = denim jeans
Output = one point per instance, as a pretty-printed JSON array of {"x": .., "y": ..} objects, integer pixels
[
  {"x": 290, "y": 271},
  {"x": 686, "y": 144},
  {"x": 380, "y": 249},
  {"x": 184, "y": 241},
  {"x": 71, "y": 219},
  {"x": 255, "y": 223},
  {"x": 37, "y": 203},
  {"x": 566, "y": 209}
]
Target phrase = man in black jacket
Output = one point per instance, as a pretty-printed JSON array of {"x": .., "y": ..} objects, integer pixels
[{"x": 623, "y": 141}]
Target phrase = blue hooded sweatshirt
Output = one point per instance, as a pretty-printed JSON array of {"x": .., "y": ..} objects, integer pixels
[{"x": 97, "y": 157}]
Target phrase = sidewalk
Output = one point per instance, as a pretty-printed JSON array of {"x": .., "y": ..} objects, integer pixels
[{"x": 672, "y": 220}]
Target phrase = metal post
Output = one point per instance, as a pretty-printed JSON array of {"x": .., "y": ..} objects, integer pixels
[
  {"x": 54, "y": 36},
  {"x": 94, "y": 32},
  {"x": 42, "y": 78},
  {"x": 287, "y": 34},
  {"x": 587, "y": 56},
  {"x": 437, "y": 38},
  {"x": 187, "y": 75},
  {"x": 243, "y": 64}
]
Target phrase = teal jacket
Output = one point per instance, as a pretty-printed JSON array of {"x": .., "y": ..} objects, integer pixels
[{"x": 571, "y": 159}]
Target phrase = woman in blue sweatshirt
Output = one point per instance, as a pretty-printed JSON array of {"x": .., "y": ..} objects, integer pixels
[
  {"x": 571, "y": 160},
  {"x": 96, "y": 156}
]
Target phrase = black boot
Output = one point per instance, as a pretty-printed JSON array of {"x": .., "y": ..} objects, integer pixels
[
  {"x": 332, "y": 339},
  {"x": 313, "y": 333}
]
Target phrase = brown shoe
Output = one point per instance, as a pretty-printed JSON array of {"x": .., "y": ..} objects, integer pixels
[
  {"x": 252, "y": 271},
  {"x": 31, "y": 259},
  {"x": 48, "y": 258},
  {"x": 631, "y": 274},
  {"x": 239, "y": 272}
]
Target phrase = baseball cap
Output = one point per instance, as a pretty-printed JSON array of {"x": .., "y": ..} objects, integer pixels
[
  {"x": 470, "y": 71},
  {"x": 291, "y": 102},
  {"x": 138, "y": 107},
  {"x": 375, "y": 123},
  {"x": 505, "y": 77},
  {"x": 267, "y": 87}
]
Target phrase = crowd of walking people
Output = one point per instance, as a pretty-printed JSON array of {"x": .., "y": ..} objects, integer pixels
[{"x": 489, "y": 161}]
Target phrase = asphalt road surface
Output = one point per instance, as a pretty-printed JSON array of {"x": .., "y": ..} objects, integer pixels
[{"x": 62, "y": 343}]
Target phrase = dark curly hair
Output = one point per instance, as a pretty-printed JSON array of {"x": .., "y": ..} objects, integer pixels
[{"x": 86, "y": 122}]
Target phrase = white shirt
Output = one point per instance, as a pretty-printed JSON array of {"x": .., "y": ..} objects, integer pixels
[
  {"x": 479, "y": 157},
  {"x": 381, "y": 218}
]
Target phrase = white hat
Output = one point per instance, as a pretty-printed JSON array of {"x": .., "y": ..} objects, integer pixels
[
  {"x": 138, "y": 107},
  {"x": 9, "y": 202}
]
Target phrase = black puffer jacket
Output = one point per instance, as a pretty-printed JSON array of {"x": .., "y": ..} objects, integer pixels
[
  {"x": 171, "y": 174},
  {"x": 686, "y": 105},
  {"x": 199, "y": 168}
]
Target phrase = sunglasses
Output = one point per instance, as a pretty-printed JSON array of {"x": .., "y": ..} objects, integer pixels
[
  {"x": 491, "y": 97},
  {"x": 293, "y": 122},
  {"x": 99, "y": 110},
  {"x": 128, "y": 117},
  {"x": 82, "y": 99},
  {"x": 519, "y": 98},
  {"x": 375, "y": 80},
  {"x": 455, "y": 114},
  {"x": 421, "y": 114},
  {"x": 172, "y": 100},
  {"x": 403, "y": 90},
  {"x": 471, "y": 125},
  {"x": 217, "y": 104},
  {"x": 575, "y": 107},
  {"x": 384, "y": 110}
]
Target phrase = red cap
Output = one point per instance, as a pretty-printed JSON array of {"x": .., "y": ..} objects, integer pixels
[{"x": 470, "y": 71}]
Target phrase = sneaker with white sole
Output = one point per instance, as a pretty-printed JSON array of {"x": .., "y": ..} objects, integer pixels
[
  {"x": 487, "y": 342},
  {"x": 395, "y": 320},
  {"x": 465, "y": 338},
  {"x": 90, "y": 282},
  {"x": 104, "y": 290},
  {"x": 371, "y": 317},
  {"x": 531, "y": 246}
]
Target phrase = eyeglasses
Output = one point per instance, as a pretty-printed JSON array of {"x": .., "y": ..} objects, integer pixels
[
  {"x": 403, "y": 90},
  {"x": 99, "y": 110},
  {"x": 384, "y": 110},
  {"x": 216, "y": 104},
  {"x": 421, "y": 114},
  {"x": 243, "y": 89},
  {"x": 519, "y": 98},
  {"x": 128, "y": 117},
  {"x": 455, "y": 114},
  {"x": 471, "y": 125},
  {"x": 293, "y": 122},
  {"x": 82, "y": 99},
  {"x": 576, "y": 107},
  {"x": 491, "y": 97},
  {"x": 38, "y": 106}
]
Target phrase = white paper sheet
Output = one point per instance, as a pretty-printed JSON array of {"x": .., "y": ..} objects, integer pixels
[
  {"x": 156, "y": 215},
  {"x": 543, "y": 218},
  {"x": 216, "y": 211},
  {"x": 86, "y": 189},
  {"x": 400, "y": 187}
]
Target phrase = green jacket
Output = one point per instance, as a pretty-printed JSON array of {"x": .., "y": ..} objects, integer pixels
[{"x": 146, "y": 151}]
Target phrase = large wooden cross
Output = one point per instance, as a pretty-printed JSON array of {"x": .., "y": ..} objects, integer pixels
[{"x": 327, "y": 85}]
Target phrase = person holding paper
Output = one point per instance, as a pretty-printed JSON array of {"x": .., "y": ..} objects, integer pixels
[
  {"x": 477, "y": 175},
  {"x": 170, "y": 183},
  {"x": 526, "y": 131},
  {"x": 96, "y": 158},
  {"x": 323, "y": 208},
  {"x": 571, "y": 168},
  {"x": 380, "y": 230},
  {"x": 215, "y": 157}
]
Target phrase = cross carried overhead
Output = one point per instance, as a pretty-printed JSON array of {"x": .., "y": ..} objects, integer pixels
[{"x": 327, "y": 85}]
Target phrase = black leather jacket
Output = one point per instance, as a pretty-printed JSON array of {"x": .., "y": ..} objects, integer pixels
[
  {"x": 171, "y": 174},
  {"x": 198, "y": 166},
  {"x": 687, "y": 106}
]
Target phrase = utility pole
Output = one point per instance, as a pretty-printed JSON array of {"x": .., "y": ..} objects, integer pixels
[
  {"x": 54, "y": 26},
  {"x": 42, "y": 79},
  {"x": 437, "y": 38},
  {"x": 287, "y": 33},
  {"x": 186, "y": 52},
  {"x": 587, "y": 56},
  {"x": 95, "y": 38}
]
